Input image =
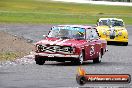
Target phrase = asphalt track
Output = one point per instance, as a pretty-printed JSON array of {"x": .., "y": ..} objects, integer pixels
[{"x": 55, "y": 74}]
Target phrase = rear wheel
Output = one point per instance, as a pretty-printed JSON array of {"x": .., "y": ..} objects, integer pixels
[
  {"x": 39, "y": 60},
  {"x": 98, "y": 59}
]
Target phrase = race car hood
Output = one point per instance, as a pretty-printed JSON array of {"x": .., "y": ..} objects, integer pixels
[
  {"x": 118, "y": 28},
  {"x": 103, "y": 28},
  {"x": 62, "y": 42},
  {"x": 107, "y": 28}
]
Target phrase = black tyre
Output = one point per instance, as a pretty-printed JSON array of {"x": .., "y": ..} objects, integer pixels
[
  {"x": 125, "y": 43},
  {"x": 98, "y": 59},
  {"x": 39, "y": 60},
  {"x": 79, "y": 61}
]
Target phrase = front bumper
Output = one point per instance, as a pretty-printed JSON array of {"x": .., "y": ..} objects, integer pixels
[
  {"x": 56, "y": 55},
  {"x": 115, "y": 40}
]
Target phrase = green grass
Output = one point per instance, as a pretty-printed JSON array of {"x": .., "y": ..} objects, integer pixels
[
  {"x": 8, "y": 56},
  {"x": 47, "y": 12},
  {"x": 11, "y": 55}
]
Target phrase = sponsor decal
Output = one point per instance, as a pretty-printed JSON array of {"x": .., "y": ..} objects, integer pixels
[{"x": 82, "y": 78}]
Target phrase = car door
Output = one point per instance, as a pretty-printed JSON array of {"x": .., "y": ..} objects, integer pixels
[
  {"x": 90, "y": 47},
  {"x": 96, "y": 42}
]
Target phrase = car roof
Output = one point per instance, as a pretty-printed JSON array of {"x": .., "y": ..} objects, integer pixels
[
  {"x": 80, "y": 26},
  {"x": 110, "y": 19}
]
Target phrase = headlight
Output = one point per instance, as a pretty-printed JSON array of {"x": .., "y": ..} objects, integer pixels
[
  {"x": 120, "y": 33},
  {"x": 37, "y": 46},
  {"x": 66, "y": 49},
  {"x": 104, "y": 33},
  {"x": 40, "y": 48}
]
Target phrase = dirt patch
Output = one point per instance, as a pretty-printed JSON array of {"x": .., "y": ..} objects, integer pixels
[{"x": 12, "y": 47}]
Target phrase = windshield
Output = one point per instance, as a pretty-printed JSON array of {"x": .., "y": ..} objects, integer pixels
[
  {"x": 103, "y": 22},
  {"x": 111, "y": 23},
  {"x": 67, "y": 32},
  {"x": 117, "y": 23}
]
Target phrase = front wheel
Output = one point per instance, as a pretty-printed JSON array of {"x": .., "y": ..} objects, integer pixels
[
  {"x": 98, "y": 59},
  {"x": 39, "y": 60},
  {"x": 125, "y": 43},
  {"x": 80, "y": 59}
]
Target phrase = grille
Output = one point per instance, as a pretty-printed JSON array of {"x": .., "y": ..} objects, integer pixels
[
  {"x": 55, "y": 49},
  {"x": 112, "y": 35}
]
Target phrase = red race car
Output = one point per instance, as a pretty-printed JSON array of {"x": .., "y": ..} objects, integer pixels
[{"x": 75, "y": 43}]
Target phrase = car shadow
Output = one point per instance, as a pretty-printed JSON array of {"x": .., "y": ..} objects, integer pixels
[
  {"x": 107, "y": 64},
  {"x": 117, "y": 44},
  {"x": 129, "y": 44},
  {"x": 72, "y": 64}
]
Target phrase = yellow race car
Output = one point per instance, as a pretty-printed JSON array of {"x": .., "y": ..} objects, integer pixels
[{"x": 112, "y": 30}]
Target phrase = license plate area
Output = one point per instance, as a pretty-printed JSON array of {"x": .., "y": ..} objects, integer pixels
[
  {"x": 50, "y": 55},
  {"x": 112, "y": 37}
]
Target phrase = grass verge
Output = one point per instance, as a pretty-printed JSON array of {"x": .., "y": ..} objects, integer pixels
[
  {"x": 8, "y": 56},
  {"x": 12, "y": 47},
  {"x": 47, "y": 12}
]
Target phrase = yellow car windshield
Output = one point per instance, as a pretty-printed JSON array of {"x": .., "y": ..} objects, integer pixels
[{"x": 111, "y": 23}]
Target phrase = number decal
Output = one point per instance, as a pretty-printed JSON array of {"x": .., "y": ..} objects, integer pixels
[{"x": 92, "y": 51}]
